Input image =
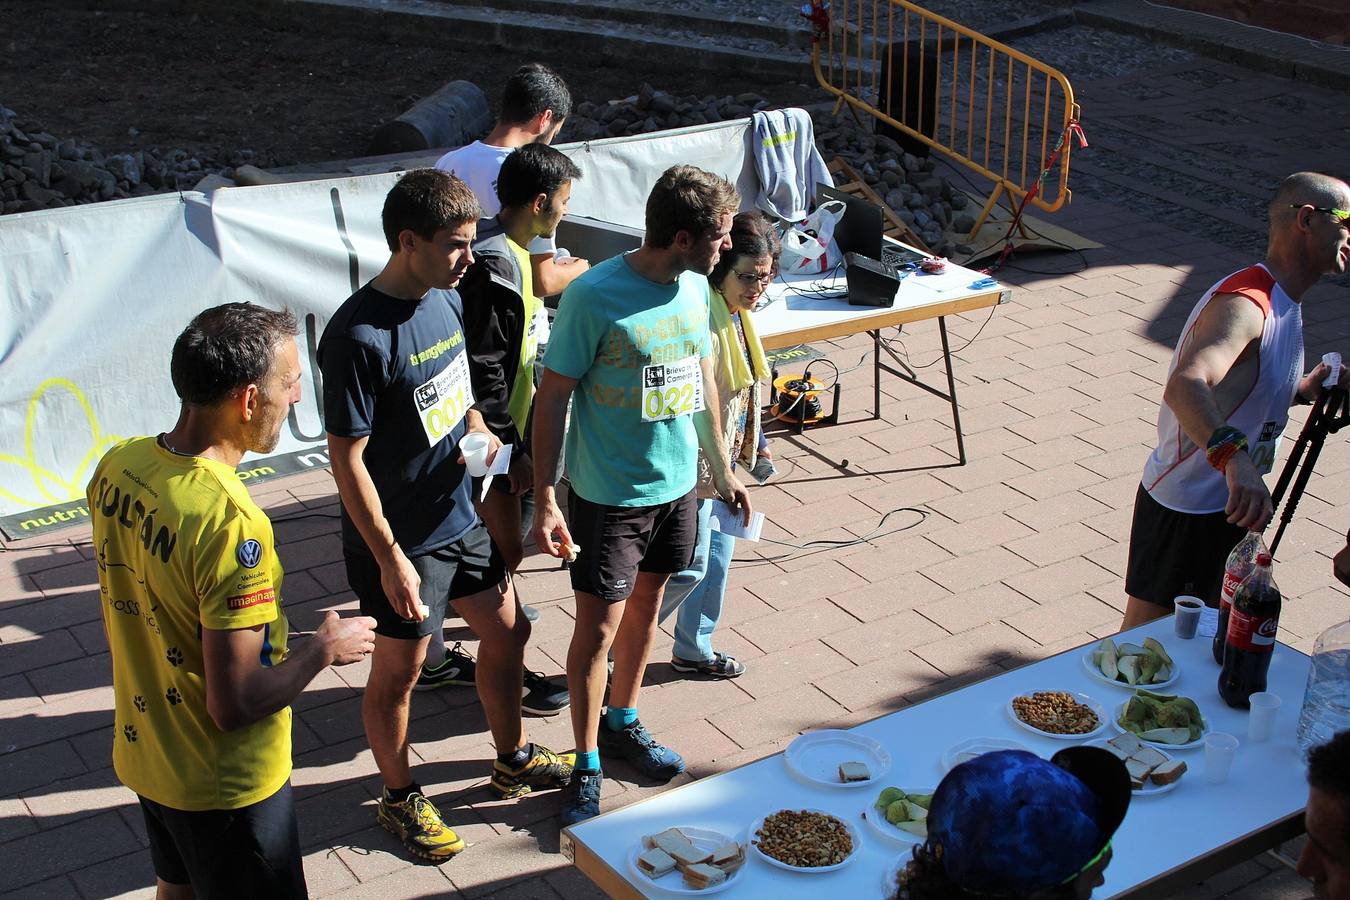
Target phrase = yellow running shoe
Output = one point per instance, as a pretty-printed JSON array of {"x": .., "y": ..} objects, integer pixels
[
  {"x": 544, "y": 769},
  {"x": 417, "y": 823}
]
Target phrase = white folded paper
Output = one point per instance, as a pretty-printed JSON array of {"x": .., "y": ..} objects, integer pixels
[
  {"x": 730, "y": 521},
  {"x": 1333, "y": 361},
  {"x": 500, "y": 465},
  {"x": 1209, "y": 622}
]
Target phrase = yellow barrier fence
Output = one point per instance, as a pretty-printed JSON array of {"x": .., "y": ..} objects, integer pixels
[{"x": 1001, "y": 113}]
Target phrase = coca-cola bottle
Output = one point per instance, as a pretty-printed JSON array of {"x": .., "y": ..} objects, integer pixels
[
  {"x": 1240, "y": 564},
  {"x": 1252, "y": 623}
]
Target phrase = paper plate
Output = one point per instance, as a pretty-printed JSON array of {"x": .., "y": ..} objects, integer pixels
[
  {"x": 877, "y": 820},
  {"x": 976, "y": 746},
  {"x": 1097, "y": 674},
  {"x": 807, "y": 870},
  {"x": 673, "y": 881},
  {"x": 1189, "y": 745},
  {"x": 1081, "y": 698},
  {"x": 816, "y": 755},
  {"x": 1149, "y": 789}
]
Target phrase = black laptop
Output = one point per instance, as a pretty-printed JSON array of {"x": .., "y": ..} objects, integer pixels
[
  {"x": 861, "y": 229},
  {"x": 871, "y": 282}
]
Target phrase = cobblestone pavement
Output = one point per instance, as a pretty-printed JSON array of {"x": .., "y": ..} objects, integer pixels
[{"x": 1020, "y": 556}]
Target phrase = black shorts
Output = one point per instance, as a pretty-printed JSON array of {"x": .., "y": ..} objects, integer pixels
[
  {"x": 1174, "y": 553},
  {"x": 253, "y": 851},
  {"x": 466, "y": 567},
  {"x": 617, "y": 542}
]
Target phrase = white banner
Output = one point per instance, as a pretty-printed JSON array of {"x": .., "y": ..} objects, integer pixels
[
  {"x": 92, "y": 298},
  {"x": 618, "y": 173}
]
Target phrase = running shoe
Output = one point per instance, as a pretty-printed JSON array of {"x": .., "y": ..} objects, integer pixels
[
  {"x": 545, "y": 769},
  {"x": 457, "y": 668},
  {"x": 636, "y": 744},
  {"x": 581, "y": 800},
  {"x": 542, "y": 697},
  {"x": 417, "y": 823}
]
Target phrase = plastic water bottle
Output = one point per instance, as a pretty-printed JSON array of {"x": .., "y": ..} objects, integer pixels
[{"x": 1326, "y": 703}]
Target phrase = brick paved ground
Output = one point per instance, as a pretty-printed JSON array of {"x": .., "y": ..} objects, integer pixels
[{"x": 1020, "y": 554}]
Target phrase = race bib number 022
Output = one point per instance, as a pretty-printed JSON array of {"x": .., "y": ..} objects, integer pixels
[
  {"x": 672, "y": 389},
  {"x": 442, "y": 401}
]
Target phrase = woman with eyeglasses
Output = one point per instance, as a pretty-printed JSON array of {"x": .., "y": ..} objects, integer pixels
[{"x": 738, "y": 281}]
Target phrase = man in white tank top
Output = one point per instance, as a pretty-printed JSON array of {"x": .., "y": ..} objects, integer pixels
[{"x": 1236, "y": 370}]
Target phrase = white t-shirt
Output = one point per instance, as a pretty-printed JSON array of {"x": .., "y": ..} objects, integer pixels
[{"x": 477, "y": 165}]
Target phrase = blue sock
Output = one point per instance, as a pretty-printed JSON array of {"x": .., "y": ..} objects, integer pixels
[
  {"x": 620, "y": 717},
  {"x": 588, "y": 760}
]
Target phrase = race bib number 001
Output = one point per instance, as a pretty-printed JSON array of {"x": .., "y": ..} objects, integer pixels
[
  {"x": 442, "y": 401},
  {"x": 672, "y": 389}
]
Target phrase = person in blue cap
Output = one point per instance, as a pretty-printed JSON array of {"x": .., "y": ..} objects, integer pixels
[{"x": 1009, "y": 824}]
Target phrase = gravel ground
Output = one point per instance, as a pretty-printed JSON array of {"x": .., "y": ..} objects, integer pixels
[
  {"x": 1086, "y": 54},
  {"x": 977, "y": 14},
  {"x": 293, "y": 91}
]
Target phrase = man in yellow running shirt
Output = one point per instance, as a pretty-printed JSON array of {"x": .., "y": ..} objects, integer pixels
[{"x": 190, "y": 587}]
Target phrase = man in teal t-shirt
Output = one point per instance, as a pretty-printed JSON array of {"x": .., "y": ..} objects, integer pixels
[
  {"x": 630, "y": 347},
  {"x": 619, "y": 331}
]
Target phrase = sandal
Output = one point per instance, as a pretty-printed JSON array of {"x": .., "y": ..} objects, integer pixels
[{"x": 720, "y": 666}]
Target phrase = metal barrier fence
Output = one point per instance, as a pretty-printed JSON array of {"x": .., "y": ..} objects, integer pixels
[{"x": 1001, "y": 113}]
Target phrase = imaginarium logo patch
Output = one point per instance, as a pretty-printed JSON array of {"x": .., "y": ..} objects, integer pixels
[{"x": 28, "y": 482}]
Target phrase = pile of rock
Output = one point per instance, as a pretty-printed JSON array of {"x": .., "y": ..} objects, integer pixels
[
  {"x": 909, "y": 184},
  {"x": 652, "y": 110},
  {"x": 40, "y": 171}
]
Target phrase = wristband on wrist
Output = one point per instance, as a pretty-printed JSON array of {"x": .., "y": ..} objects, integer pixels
[{"x": 1224, "y": 443}]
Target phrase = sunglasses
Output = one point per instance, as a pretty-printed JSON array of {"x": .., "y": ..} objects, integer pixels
[
  {"x": 749, "y": 278},
  {"x": 1342, "y": 216}
]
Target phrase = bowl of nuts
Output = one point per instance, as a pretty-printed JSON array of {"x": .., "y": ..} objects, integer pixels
[
  {"x": 804, "y": 840},
  {"x": 1063, "y": 715}
]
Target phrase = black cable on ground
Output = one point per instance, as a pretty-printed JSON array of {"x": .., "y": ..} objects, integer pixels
[{"x": 821, "y": 545}]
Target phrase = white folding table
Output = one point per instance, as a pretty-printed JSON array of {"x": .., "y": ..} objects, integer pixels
[
  {"x": 808, "y": 308},
  {"x": 1166, "y": 841}
]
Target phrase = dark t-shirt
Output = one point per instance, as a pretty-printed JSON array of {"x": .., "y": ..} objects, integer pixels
[{"x": 397, "y": 371}]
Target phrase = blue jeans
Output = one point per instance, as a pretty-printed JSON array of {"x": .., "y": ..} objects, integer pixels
[{"x": 696, "y": 594}]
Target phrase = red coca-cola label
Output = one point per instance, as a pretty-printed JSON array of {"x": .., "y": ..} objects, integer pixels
[
  {"x": 1253, "y": 633},
  {"x": 1230, "y": 586}
]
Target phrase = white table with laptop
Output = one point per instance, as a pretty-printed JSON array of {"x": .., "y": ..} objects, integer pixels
[
  {"x": 1170, "y": 837},
  {"x": 866, "y": 297}
]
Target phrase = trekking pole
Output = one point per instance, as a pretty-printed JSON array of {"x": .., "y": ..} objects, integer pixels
[{"x": 1330, "y": 414}]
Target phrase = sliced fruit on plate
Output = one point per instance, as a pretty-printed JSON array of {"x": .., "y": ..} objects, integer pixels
[{"x": 1108, "y": 660}]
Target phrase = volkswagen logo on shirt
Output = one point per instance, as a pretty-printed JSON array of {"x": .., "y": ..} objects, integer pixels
[{"x": 249, "y": 553}]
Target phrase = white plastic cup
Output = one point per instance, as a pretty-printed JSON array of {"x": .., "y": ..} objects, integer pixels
[
  {"x": 1219, "y": 751},
  {"x": 474, "y": 446},
  {"x": 1187, "y": 616},
  {"x": 1261, "y": 722}
]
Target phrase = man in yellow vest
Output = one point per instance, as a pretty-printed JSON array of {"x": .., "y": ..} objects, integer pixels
[
  {"x": 190, "y": 588},
  {"x": 501, "y": 326}
]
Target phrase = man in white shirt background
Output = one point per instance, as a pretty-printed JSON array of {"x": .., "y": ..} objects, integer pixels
[{"x": 534, "y": 105}]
